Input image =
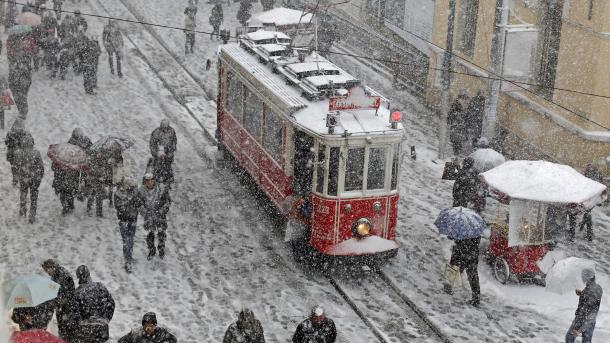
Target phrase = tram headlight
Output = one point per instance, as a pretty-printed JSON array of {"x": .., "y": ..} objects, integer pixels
[{"x": 362, "y": 228}]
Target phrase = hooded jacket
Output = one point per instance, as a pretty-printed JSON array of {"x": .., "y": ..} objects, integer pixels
[
  {"x": 589, "y": 302},
  {"x": 247, "y": 329}
]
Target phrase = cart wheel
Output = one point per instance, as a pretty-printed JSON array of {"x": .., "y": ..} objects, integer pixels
[{"x": 501, "y": 270}]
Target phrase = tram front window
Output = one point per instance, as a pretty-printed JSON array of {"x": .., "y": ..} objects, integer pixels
[
  {"x": 395, "y": 165},
  {"x": 376, "y": 171},
  {"x": 354, "y": 170},
  {"x": 333, "y": 170},
  {"x": 320, "y": 168}
]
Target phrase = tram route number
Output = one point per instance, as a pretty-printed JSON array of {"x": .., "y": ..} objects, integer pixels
[{"x": 323, "y": 209}]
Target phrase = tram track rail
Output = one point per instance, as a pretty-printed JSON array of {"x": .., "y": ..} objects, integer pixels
[{"x": 414, "y": 312}]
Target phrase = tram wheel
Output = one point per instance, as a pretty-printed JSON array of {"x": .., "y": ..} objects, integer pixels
[{"x": 501, "y": 270}]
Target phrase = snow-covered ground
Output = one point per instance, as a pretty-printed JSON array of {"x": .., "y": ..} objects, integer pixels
[{"x": 222, "y": 253}]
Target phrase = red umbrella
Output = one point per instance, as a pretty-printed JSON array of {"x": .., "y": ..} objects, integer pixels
[
  {"x": 28, "y": 18},
  {"x": 68, "y": 157}
]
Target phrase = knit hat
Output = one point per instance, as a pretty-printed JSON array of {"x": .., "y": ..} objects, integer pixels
[
  {"x": 82, "y": 273},
  {"x": 149, "y": 318},
  {"x": 587, "y": 275}
]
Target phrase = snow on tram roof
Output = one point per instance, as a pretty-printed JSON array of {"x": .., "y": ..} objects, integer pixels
[
  {"x": 261, "y": 35},
  {"x": 309, "y": 66},
  {"x": 309, "y": 114},
  {"x": 322, "y": 80}
]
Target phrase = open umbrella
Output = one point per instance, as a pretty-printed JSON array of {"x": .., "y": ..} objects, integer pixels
[
  {"x": 566, "y": 275},
  {"x": 67, "y": 156},
  {"x": 28, "y": 18},
  {"x": 18, "y": 29},
  {"x": 460, "y": 223},
  {"x": 110, "y": 144},
  {"x": 28, "y": 291},
  {"x": 486, "y": 159}
]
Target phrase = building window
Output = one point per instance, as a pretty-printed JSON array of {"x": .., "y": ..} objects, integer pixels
[
  {"x": 253, "y": 114},
  {"x": 233, "y": 96},
  {"x": 547, "y": 50},
  {"x": 272, "y": 137},
  {"x": 467, "y": 26}
]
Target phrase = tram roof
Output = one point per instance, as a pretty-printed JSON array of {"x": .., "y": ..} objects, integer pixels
[
  {"x": 311, "y": 115},
  {"x": 261, "y": 35}
]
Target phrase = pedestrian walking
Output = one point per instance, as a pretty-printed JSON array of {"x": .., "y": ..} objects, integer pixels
[
  {"x": 246, "y": 329},
  {"x": 31, "y": 172},
  {"x": 191, "y": 9},
  {"x": 127, "y": 203},
  {"x": 99, "y": 178},
  {"x": 216, "y": 19},
  {"x": 474, "y": 116},
  {"x": 65, "y": 183},
  {"x": 456, "y": 119},
  {"x": 149, "y": 332},
  {"x": 466, "y": 185},
  {"x": 588, "y": 306},
  {"x": 57, "y": 8},
  {"x": 162, "y": 144},
  {"x": 80, "y": 22},
  {"x": 113, "y": 42},
  {"x": 96, "y": 308},
  {"x": 90, "y": 60},
  {"x": 66, "y": 307},
  {"x": 14, "y": 141},
  {"x": 21, "y": 50},
  {"x": 243, "y": 13},
  {"x": 465, "y": 256},
  {"x": 267, "y": 4},
  {"x": 317, "y": 328},
  {"x": 587, "y": 220},
  {"x": 155, "y": 205},
  {"x": 189, "y": 31},
  {"x": 29, "y": 330}
]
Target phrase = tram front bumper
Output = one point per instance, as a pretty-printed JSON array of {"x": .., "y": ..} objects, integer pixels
[{"x": 370, "y": 245}]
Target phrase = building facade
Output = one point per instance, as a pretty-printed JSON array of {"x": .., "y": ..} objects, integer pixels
[{"x": 556, "y": 102}]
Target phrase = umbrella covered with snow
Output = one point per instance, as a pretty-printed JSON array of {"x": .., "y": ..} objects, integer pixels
[
  {"x": 486, "y": 159},
  {"x": 543, "y": 181},
  {"x": 110, "y": 145},
  {"x": 28, "y": 291},
  {"x": 67, "y": 156},
  {"x": 460, "y": 223},
  {"x": 566, "y": 275},
  {"x": 28, "y": 18}
]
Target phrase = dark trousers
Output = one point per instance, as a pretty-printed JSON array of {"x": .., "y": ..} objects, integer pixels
[
  {"x": 162, "y": 168},
  {"x": 14, "y": 171},
  {"x": 473, "y": 276},
  {"x": 67, "y": 201},
  {"x": 32, "y": 189},
  {"x": 21, "y": 100},
  {"x": 128, "y": 231},
  {"x": 158, "y": 225},
  {"x": 96, "y": 194},
  {"x": 456, "y": 144},
  {"x": 118, "y": 63},
  {"x": 587, "y": 221},
  {"x": 571, "y": 226},
  {"x": 190, "y": 42},
  {"x": 89, "y": 78},
  {"x": 215, "y": 31}
]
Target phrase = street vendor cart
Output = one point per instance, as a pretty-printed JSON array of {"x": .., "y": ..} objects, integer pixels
[{"x": 532, "y": 189}]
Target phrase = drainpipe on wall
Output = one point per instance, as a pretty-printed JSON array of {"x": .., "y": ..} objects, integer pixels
[{"x": 497, "y": 63}]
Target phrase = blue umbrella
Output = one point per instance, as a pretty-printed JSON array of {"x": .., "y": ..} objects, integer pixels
[
  {"x": 28, "y": 291},
  {"x": 19, "y": 29},
  {"x": 460, "y": 223}
]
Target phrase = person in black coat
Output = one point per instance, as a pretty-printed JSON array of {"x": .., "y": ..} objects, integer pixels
[
  {"x": 30, "y": 171},
  {"x": 95, "y": 303},
  {"x": 37, "y": 317},
  {"x": 465, "y": 255},
  {"x": 465, "y": 188},
  {"x": 65, "y": 302},
  {"x": 474, "y": 117},
  {"x": 588, "y": 306},
  {"x": 90, "y": 58},
  {"x": 162, "y": 144},
  {"x": 155, "y": 205},
  {"x": 587, "y": 220},
  {"x": 65, "y": 183},
  {"x": 149, "y": 332},
  {"x": 81, "y": 140},
  {"x": 456, "y": 120},
  {"x": 14, "y": 141},
  {"x": 127, "y": 203},
  {"x": 316, "y": 329},
  {"x": 246, "y": 329}
]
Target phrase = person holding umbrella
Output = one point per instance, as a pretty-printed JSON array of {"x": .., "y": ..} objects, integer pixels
[
  {"x": 464, "y": 227},
  {"x": 589, "y": 301},
  {"x": 29, "y": 331}
]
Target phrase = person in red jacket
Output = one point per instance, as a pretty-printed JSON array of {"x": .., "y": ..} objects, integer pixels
[{"x": 30, "y": 329}]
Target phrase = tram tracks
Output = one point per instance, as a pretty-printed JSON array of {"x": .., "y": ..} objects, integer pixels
[{"x": 386, "y": 326}]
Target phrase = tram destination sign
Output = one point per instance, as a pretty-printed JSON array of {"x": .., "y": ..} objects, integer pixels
[{"x": 355, "y": 99}]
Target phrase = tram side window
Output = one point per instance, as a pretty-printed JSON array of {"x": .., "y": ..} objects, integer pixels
[
  {"x": 376, "y": 173},
  {"x": 272, "y": 137},
  {"x": 354, "y": 169},
  {"x": 395, "y": 165},
  {"x": 320, "y": 168},
  {"x": 333, "y": 170},
  {"x": 233, "y": 96},
  {"x": 253, "y": 114}
]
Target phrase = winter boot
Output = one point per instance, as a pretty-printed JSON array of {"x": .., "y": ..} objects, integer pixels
[
  {"x": 128, "y": 267},
  {"x": 161, "y": 252},
  {"x": 151, "y": 254}
]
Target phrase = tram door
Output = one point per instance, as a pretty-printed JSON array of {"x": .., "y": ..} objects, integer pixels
[{"x": 303, "y": 164}]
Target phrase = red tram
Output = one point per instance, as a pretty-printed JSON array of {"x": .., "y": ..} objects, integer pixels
[{"x": 325, "y": 149}]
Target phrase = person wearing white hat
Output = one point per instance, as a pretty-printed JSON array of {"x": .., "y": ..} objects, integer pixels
[{"x": 317, "y": 328}]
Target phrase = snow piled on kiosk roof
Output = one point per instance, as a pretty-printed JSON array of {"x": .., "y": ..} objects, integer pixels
[
  {"x": 545, "y": 182},
  {"x": 281, "y": 16}
]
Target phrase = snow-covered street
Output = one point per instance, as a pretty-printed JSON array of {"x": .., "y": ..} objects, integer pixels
[{"x": 224, "y": 252}]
